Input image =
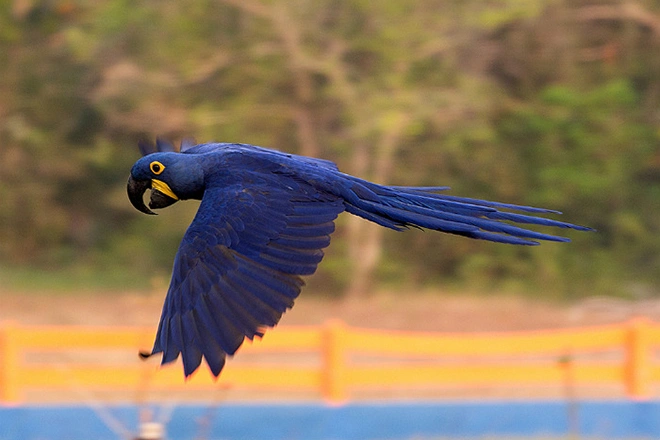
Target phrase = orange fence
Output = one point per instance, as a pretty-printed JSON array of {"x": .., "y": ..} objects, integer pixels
[{"x": 339, "y": 360}]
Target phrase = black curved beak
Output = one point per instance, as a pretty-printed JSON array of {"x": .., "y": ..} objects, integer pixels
[{"x": 135, "y": 190}]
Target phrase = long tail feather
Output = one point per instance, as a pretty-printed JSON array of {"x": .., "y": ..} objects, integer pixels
[{"x": 399, "y": 207}]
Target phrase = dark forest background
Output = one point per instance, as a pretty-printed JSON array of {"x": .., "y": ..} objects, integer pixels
[{"x": 539, "y": 102}]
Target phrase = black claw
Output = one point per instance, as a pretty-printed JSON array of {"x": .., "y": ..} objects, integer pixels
[{"x": 144, "y": 355}]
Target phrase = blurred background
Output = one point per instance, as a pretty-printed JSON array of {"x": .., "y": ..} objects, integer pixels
[
  {"x": 550, "y": 103},
  {"x": 540, "y": 102}
]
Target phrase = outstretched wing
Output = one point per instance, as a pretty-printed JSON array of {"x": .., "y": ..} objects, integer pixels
[{"x": 238, "y": 267}]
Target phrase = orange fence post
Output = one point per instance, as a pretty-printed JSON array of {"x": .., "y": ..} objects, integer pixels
[
  {"x": 334, "y": 362},
  {"x": 638, "y": 359},
  {"x": 9, "y": 364}
]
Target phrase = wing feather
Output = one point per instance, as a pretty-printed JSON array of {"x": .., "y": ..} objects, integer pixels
[
  {"x": 192, "y": 346},
  {"x": 213, "y": 351},
  {"x": 238, "y": 267},
  {"x": 221, "y": 329}
]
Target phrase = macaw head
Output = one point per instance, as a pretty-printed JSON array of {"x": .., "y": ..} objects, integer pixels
[{"x": 171, "y": 177}]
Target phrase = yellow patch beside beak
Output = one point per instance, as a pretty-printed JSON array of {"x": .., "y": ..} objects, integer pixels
[{"x": 164, "y": 188}]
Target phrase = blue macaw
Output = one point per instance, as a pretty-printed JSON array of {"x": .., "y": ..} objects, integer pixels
[{"x": 263, "y": 222}]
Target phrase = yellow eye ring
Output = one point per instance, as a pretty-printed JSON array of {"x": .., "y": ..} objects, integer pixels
[{"x": 156, "y": 167}]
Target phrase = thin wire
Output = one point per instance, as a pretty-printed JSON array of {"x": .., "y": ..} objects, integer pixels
[{"x": 95, "y": 404}]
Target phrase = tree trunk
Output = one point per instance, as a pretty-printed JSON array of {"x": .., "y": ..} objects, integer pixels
[{"x": 366, "y": 238}]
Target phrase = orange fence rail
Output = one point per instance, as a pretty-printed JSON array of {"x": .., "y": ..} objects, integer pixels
[{"x": 340, "y": 359}]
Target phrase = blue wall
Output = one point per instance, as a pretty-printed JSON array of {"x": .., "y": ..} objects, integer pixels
[{"x": 350, "y": 422}]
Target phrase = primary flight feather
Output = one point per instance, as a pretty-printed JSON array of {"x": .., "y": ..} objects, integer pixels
[{"x": 263, "y": 222}]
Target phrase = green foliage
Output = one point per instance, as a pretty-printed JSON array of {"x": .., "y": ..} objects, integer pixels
[
  {"x": 592, "y": 152},
  {"x": 508, "y": 100}
]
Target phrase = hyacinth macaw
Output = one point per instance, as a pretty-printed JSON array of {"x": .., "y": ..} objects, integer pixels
[{"x": 263, "y": 222}]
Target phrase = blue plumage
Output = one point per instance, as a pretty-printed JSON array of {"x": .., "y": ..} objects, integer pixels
[{"x": 264, "y": 220}]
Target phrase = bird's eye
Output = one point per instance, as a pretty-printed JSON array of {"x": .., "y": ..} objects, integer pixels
[{"x": 156, "y": 167}]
